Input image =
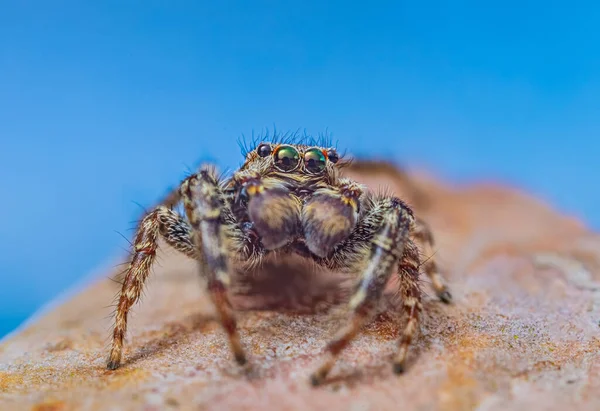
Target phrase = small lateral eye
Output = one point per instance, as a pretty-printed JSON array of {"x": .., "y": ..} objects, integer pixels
[
  {"x": 332, "y": 155},
  {"x": 287, "y": 158},
  {"x": 263, "y": 149},
  {"x": 314, "y": 160}
]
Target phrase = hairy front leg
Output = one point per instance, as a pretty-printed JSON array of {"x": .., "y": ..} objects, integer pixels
[
  {"x": 386, "y": 249},
  {"x": 205, "y": 208},
  {"x": 160, "y": 222}
]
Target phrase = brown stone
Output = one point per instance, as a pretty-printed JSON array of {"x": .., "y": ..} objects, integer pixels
[{"x": 523, "y": 332}]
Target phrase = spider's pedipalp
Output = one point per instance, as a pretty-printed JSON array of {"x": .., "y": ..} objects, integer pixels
[
  {"x": 274, "y": 213},
  {"x": 328, "y": 218}
]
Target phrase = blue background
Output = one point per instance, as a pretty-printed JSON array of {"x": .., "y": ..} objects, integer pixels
[{"x": 107, "y": 103}]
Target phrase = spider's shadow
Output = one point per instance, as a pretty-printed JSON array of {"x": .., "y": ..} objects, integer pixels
[
  {"x": 290, "y": 289},
  {"x": 361, "y": 373},
  {"x": 174, "y": 333}
]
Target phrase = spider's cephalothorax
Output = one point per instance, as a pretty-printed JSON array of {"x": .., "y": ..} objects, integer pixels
[{"x": 288, "y": 198}]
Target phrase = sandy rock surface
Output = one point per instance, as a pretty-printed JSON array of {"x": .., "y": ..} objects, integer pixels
[{"x": 523, "y": 332}]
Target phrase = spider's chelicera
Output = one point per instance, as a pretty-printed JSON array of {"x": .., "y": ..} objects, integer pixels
[{"x": 288, "y": 198}]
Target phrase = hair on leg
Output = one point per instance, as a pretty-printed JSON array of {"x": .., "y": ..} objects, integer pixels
[
  {"x": 160, "y": 222},
  {"x": 410, "y": 291},
  {"x": 422, "y": 233},
  {"x": 387, "y": 245},
  {"x": 204, "y": 239},
  {"x": 204, "y": 207}
]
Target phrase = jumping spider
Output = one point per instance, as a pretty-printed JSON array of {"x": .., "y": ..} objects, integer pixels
[{"x": 289, "y": 198}]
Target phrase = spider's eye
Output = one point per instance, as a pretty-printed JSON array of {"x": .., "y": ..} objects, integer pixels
[
  {"x": 287, "y": 158},
  {"x": 332, "y": 155},
  {"x": 263, "y": 150},
  {"x": 314, "y": 160}
]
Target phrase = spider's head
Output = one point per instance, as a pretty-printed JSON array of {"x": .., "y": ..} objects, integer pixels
[{"x": 293, "y": 161}]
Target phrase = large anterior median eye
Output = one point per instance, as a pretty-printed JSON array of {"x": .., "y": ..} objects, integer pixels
[
  {"x": 287, "y": 158},
  {"x": 314, "y": 160}
]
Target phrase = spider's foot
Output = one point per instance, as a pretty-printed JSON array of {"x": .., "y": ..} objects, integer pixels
[
  {"x": 318, "y": 378},
  {"x": 398, "y": 368},
  {"x": 112, "y": 365},
  {"x": 240, "y": 358},
  {"x": 445, "y": 296}
]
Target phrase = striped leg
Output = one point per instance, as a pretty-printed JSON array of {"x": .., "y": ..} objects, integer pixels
[
  {"x": 204, "y": 207},
  {"x": 410, "y": 291},
  {"x": 424, "y": 236},
  {"x": 412, "y": 307},
  {"x": 386, "y": 250},
  {"x": 175, "y": 231},
  {"x": 203, "y": 241}
]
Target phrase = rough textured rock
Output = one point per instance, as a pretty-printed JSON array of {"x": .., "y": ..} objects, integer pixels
[{"x": 523, "y": 332}]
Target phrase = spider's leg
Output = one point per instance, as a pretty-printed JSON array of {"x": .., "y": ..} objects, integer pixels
[
  {"x": 173, "y": 196},
  {"x": 175, "y": 230},
  {"x": 386, "y": 249},
  {"x": 410, "y": 291},
  {"x": 424, "y": 236},
  {"x": 204, "y": 240},
  {"x": 385, "y": 169},
  {"x": 205, "y": 209}
]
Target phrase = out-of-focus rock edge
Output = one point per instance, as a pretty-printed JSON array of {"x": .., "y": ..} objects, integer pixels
[{"x": 523, "y": 332}]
